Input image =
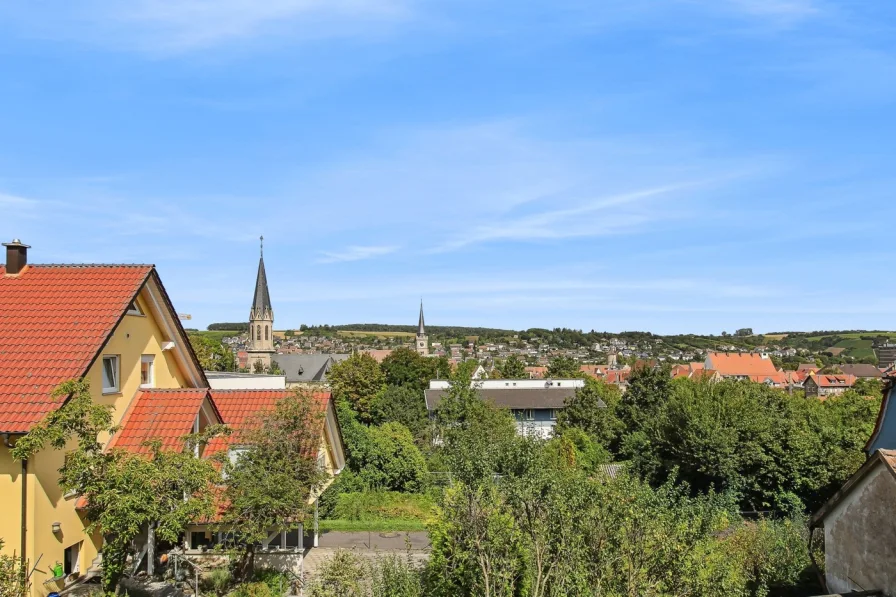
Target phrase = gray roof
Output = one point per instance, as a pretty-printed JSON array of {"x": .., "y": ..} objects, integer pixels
[
  {"x": 861, "y": 370},
  {"x": 513, "y": 397},
  {"x": 420, "y": 330},
  {"x": 262, "y": 300},
  {"x": 307, "y": 367}
]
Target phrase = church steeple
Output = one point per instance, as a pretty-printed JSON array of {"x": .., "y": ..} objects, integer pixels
[
  {"x": 261, "y": 321},
  {"x": 262, "y": 301},
  {"x": 422, "y": 340},
  {"x": 420, "y": 330}
]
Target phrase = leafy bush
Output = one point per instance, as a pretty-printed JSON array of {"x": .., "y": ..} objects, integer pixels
[
  {"x": 217, "y": 581},
  {"x": 392, "y": 576},
  {"x": 340, "y": 576},
  {"x": 346, "y": 574},
  {"x": 773, "y": 554},
  {"x": 278, "y": 582},
  {"x": 13, "y": 580},
  {"x": 252, "y": 589},
  {"x": 383, "y": 457},
  {"x": 346, "y": 482}
]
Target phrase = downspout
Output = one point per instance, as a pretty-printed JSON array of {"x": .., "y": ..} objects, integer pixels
[{"x": 24, "y": 509}]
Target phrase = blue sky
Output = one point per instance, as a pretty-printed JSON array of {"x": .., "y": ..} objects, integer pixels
[{"x": 666, "y": 165}]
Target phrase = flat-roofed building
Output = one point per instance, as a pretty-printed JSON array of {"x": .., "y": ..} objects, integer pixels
[{"x": 535, "y": 403}]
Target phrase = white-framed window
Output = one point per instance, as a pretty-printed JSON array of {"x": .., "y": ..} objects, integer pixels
[
  {"x": 528, "y": 414},
  {"x": 553, "y": 414},
  {"x": 147, "y": 371},
  {"x": 110, "y": 374}
]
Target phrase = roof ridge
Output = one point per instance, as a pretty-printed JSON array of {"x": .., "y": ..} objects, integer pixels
[{"x": 91, "y": 265}]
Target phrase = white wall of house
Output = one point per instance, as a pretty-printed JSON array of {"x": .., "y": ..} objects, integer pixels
[
  {"x": 522, "y": 384},
  {"x": 860, "y": 537},
  {"x": 245, "y": 381}
]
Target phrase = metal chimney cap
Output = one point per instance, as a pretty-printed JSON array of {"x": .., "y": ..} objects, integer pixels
[{"x": 16, "y": 243}]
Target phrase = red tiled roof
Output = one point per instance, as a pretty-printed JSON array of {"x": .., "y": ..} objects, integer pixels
[
  {"x": 835, "y": 381},
  {"x": 166, "y": 415},
  {"x": 537, "y": 372},
  {"x": 54, "y": 319},
  {"x": 746, "y": 364},
  {"x": 240, "y": 408}
]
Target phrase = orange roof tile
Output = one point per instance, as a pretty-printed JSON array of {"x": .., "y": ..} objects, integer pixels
[
  {"x": 240, "y": 408},
  {"x": 745, "y": 364},
  {"x": 835, "y": 381},
  {"x": 537, "y": 372},
  {"x": 166, "y": 415},
  {"x": 54, "y": 320}
]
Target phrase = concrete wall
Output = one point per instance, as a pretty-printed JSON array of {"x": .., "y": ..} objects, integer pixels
[
  {"x": 860, "y": 537},
  {"x": 245, "y": 381}
]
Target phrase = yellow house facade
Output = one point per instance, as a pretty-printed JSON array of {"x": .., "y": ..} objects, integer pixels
[{"x": 114, "y": 326}]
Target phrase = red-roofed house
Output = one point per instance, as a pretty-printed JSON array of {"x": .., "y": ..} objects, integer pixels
[
  {"x": 165, "y": 416},
  {"x": 821, "y": 384},
  {"x": 741, "y": 365},
  {"x": 537, "y": 372},
  {"x": 113, "y": 325},
  {"x": 240, "y": 410}
]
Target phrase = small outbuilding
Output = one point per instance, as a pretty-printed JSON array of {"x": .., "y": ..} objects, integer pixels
[{"x": 859, "y": 524}]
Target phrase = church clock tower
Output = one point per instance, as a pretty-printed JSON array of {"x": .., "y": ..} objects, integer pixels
[
  {"x": 261, "y": 322},
  {"x": 422, "y": 338}
]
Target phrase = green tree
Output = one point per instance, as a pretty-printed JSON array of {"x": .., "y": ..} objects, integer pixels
[
  {"x": 383, "y": 457},
  {"x": 868, "y": 387},
  {"x": 401, "y": 405},
  {"x": 269, "y": 484},
  {"x": 404, "y": 367},
  {"x": 391, "y": 460},
  {"x": 512, "y": 368},
  {"x": 476, "y": 545},
  {"x": 593, "y": 409},
  {"x": 772, "y": 450},
  {"x": 564, "y": 367},
  {"x": 124, "y": 492},
  {"x": 648, "y": 389},
  {"x": 212, "y": 354},
  {"x": 476, "y": 437},
  {"x": 357, "y": 380}
]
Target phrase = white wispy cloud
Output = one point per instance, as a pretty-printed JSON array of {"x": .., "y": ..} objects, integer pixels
[
  {"x": 778, "y": 8},
  {"x": 172, "y": 27},
  {"x": 354, "y": 253},
  {"x": 16, "y": 201},
  {"x": 569, "y": 223}
]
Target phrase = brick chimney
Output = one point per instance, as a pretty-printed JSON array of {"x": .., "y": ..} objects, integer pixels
[{"x": 16, "y": 257}]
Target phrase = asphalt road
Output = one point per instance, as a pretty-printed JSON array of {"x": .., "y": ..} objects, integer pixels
[{"x": 375, "y": 541}]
